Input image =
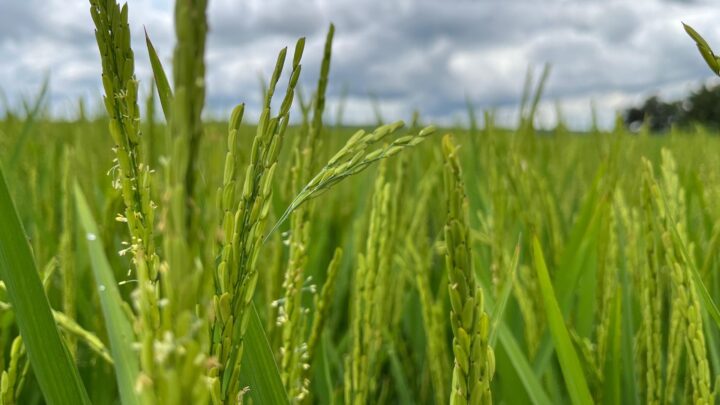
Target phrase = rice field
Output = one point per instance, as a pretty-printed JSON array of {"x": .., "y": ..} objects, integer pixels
[{"x": 161, "y": 258}]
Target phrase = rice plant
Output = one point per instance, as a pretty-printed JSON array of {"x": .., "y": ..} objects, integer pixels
[{"x": 280, "y": 259}]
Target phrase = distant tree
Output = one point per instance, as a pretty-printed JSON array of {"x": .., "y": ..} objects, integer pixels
[
  {"x": 702, "y": 107},
  {"x": 657, "y": 114}
]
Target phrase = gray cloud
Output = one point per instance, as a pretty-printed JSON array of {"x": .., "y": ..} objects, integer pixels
[{"x": 422, "y": 54}]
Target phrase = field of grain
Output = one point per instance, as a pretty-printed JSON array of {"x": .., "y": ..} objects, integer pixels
[{"x": 159, "y": 258}]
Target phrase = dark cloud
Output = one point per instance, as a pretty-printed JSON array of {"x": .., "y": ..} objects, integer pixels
[
  {"x": 238, "y": 23},
  {"x": 422, "y": 54},
  {"x": 17, "y": 21}
]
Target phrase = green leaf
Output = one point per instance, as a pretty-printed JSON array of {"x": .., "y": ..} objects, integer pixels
[
  {"x": 522, "y": 367},
  {"x": 29, "y": 121},
  {"x": 328, "y": 380},
  {"x": 575, "y": 257},
  {"x": 117, "y": 324},
  {"x": 613, "y": 363},
  {"x": 52, "y": 364},
  {"x": 537, "y": 96},
  {"x": 704, "y": 49},
  {"x": 258, "y": 369},
  {"x": 397, "y": 372},
  {"x": 569, "y": 362},
  {"x": 630, "y": 391},
  {"x": 161, "y": 81},
  {"x": 712, "y": 342},
  {"x": 517, "y": 357},
  {"x": 499, "y": 311}
]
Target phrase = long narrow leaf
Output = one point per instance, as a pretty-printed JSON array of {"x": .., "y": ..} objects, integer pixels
[
  {"x": 258, "y": 369},
  {"x": 613, "y": 363},
  {"x": 397, "y": 372},
  {"x": 519, "y": 360},
  {"x": 574, "y": 258},
  {"x": 29, "y": 122},
  {"x": 161, "y": 80},
  {"x": 499, "y": 311},
  {"x": 117, "y": 324},
  {"x": 52, "y": 364},
  {"x": 522, "y": 367},
  {"x": 630, "y": 392},
  {"x": 569, "y": 362}
]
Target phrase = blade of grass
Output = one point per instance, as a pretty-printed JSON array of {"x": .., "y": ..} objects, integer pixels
[
  {"x": 569, "y": 362},
  {"x": 326, "y": 370},
  {"x": 538, "y": 94},
  {"x": 29, "y": 121},
  {"x": 574, "y": 258},
  {"x": 161, "y": 80},
  {"x": 117, "y": 324},
  {"x": 613, "y": 363},
  {"x": 522, "y": 367},
  {"x": 517, "y": 357},
  {"x": 711, "y": 334},
  {"x": 258, "y": 368},
  {"x": 396, "y": 370},
  {"x": 7, "y": 110},
  {"x": 52, "y": 364},
  {"x": 630, "y": 392},
  {"x": 527, "y": 88},
  {"x": 499, "y": 311}
]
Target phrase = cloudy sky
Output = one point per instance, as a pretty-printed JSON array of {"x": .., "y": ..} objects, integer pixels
[{"x": 410, "y": 54}]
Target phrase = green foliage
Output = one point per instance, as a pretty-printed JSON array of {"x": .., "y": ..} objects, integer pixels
[
  {"x": 569, "y": 362},
  {"x": 474, "y": 359},
  {"x": 547, "y": 269},
  {"x": 702, "y": 107},
  {"x": 118, "y": 325},
  {"x": 52, "y": 364}
]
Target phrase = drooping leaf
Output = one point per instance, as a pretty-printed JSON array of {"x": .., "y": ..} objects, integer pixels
[
  {"x": 500, "y": 306},
  {"x": 118, "y": 326}
]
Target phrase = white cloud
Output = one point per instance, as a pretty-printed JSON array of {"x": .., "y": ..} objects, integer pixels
[{"x": 420, "y": 54}]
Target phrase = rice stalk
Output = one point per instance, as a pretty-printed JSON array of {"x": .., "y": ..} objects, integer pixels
[
  {"x": 474, "y": 359},
  {"x": 9, "y": 390},
  {"x": 651, "y": 296},
  {"x": 292, "y": 316},
  {"x": 237, "y": 277},
  {"x": 352, "y": 159},
  {"x": 433, "y": 312},
  {"x": 322, "y": 306},
  {"x": 363, "y": 360},
  {"x": 186, "y": 123},
  {"x": 686, "y": 320},
  {"x": 132, "y": 177},
  {"x": 608, "y": 280},
  {"x": 67, "y": 260}
]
